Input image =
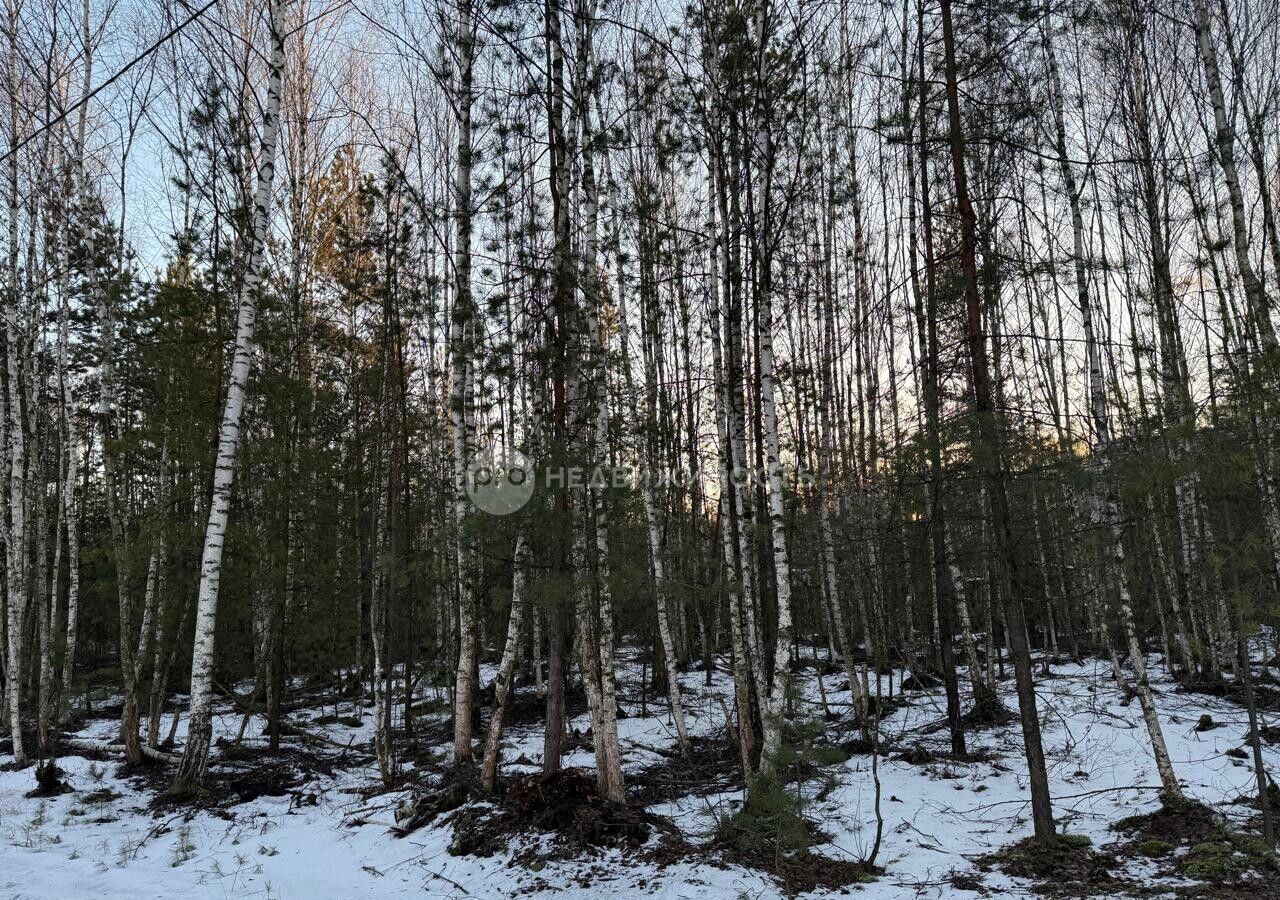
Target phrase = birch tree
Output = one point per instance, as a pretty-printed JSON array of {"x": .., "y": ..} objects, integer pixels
[{"x": 200, "y": 724}]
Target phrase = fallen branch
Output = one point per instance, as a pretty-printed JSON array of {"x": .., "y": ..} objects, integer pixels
[
  {"x": 445, "y": 878},
  {"x": 1058, "y": 797},
  {"x": 118, "y": 749},
  {"x": 286, "y": 728}
]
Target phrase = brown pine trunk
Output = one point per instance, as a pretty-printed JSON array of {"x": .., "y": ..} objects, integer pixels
[
  {"x": 557, "y": 670},
  {"x": 988, "y": 455}
]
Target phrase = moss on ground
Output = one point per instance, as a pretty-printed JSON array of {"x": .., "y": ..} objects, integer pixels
[
  {"x": 1155, "y": 848},
  {"x": 1215, "y": 852},
  {"x": 1068, "y": 860}
]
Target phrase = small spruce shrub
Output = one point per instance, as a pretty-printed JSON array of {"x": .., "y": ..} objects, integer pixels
[{"x": 772, "y": 817}]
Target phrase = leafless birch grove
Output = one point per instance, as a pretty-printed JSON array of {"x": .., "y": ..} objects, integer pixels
[{"x": 727, "y": 375}]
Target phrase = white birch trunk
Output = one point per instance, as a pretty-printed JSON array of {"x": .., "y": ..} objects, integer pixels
[
  {"x": 199, "y": 727},
  {"x": 15, "y": 540},
  {"x": 71, "y": 512},
  {"x": 15, "y": 543},
  {"x": 162, "y": 657},
  {"x": 71, "y": 443},
  {"x": 1104, "y": 503},
  {"x": 51, "y": 621},
  {"x": 835, "y": 607},
  {"x": 378, "y": 638},
  {"x": 605, "y": 722},
  {"x": 1224, "y": 135},
  {"x": 1258, "y": 303},
  {"x": 1170, "y": 582},
  {"x": 728, "y": 545},
  {"x": 773, "y": 705},
  {"x": 777, "y": 527},
  {"x": 502, "y": 684},
  {"x": 1169, "y": 781},
  {"x": 643, "y": 432},
  {"x": 977, "y": 682},
  {"x": 47, "y": 596},
  {"x": 464, "y": 693}
]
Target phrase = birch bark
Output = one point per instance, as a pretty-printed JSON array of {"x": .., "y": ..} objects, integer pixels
[
  {"x": 502, "y": 684},
  {"x": 1104, "y": 502},
  {"x": 195, "y": 757},
  {"x": 463, "y": 328},
  {"x": 15, "y": 540}
]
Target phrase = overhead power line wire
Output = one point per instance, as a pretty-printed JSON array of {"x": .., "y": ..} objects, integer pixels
[{"x": 160, "y": 42}]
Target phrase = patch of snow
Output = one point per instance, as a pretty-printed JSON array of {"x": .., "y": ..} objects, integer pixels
[{"x": 103, "y": 841}]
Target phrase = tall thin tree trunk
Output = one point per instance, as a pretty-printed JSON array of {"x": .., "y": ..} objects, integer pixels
[
  {"x": 989, "y": 455},
  {"x": 502, "y": 683},
  {"x": 463, "y": 327},
  {"x": 595, "y": 625},
  {"x": 728, "y": 522},
  {"x": 1224, "y": 135},
  {"x": 945, "y": 591},
  {"x": 647, "y": 433},
  {"x": 16, "y": 538},
  {"x": 128, "y": 658},
  {"x": 1105, "y": 504},
  {"x": 200, "y": 723}
]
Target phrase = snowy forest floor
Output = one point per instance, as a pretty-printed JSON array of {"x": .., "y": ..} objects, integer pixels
[{"x": 314, "y": 822}]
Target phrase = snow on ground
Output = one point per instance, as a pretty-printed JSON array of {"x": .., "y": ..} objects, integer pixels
[{"x": 329, "y": 838}]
